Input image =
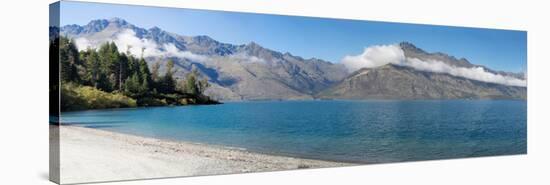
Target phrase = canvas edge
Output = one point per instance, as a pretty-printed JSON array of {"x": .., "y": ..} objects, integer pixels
[{"x": 54, "y": 140}]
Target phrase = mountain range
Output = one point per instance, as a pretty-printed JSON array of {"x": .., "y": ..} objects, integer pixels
[{"x": 252, "y": 72}]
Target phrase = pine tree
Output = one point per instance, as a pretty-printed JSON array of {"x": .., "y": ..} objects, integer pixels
[
  {"x": 202, "y": 85},
  {"x": 69, "y": 61},
  {"x": 109, "y": 59},
  {"x": 122, "y": 70},
  {"x": 114, "y": 63},
  {"x": 144, "y": 72},
  {"x": 105, "y": 68},
  {"x": 92, "y": 68},
  {"x": 191, "y": 83},
  {"x": 132, "y": 86},
  {"x": 167, "y": 83},
  {"x": 144, "y": 88},
  {"x": 155, "y": 71}
]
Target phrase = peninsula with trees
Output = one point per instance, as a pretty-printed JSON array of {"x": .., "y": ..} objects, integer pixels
[{"x": 107, "y": 78}]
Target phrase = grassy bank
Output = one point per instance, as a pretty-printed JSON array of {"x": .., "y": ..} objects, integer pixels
[{"x": 79, "y": 97}]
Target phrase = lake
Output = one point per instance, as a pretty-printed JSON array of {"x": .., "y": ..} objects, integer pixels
[{"x": 349, "y": 131}]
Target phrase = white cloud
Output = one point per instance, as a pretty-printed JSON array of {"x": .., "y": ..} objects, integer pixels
[
  {"x": 83, "y": 44},
  {"x": 375, "y": 56},
  {"x": 380, "y": 55},
  {"x": 172, "y": 50},
  {"x": 243, "y": 57},
  {"x": 127, "y": 40},
  {"x": 475, "y": 73}
]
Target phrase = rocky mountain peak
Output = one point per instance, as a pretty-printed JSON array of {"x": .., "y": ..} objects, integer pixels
[
  {"x": 411, "y": 51},
  {"x": 117, "y": 21},
  {"x": 98, "y": 23},
  {"x": 155, "y": 29},
  {"x": 407, "y": 46},
  {"x": 95, "y": 26},
  {"x": 204, "y": 40},
  {"x": 254, "y": 49},
  {"x": 253, "y": 46}
]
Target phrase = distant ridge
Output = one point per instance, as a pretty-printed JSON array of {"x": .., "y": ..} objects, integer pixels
[{"x": 252, "y": 72}]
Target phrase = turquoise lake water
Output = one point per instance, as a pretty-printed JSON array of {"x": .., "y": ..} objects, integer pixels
[{"x": 350, "y": 131}]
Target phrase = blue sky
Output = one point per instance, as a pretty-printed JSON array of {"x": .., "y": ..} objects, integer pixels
[{"x": 328, "y": 39}]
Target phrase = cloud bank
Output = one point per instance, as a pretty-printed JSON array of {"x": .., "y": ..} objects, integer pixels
[
  {"x": 243, "y": 57},
  {"x": 379, "y": 55},
  {"x": 127, "y": 40},
  {"x": 375, "y": 56}
]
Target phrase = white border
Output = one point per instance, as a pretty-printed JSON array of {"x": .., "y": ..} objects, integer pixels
[{"x": 24, "y": 82}]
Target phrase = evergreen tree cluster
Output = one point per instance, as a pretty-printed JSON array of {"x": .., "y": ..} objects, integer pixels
[{"x": 111, "y": 71}]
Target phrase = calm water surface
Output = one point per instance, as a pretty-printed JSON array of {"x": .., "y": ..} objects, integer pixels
[{"x": 351, "y": 131}]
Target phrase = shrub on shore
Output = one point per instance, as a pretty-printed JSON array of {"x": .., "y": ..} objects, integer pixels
[{"x": 77, "y": 97}]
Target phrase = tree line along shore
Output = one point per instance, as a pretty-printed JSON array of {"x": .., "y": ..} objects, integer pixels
[{"x": 106, "y": 78}]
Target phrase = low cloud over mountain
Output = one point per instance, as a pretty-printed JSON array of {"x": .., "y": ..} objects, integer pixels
[
  {"x": 379, "y": 55},
  {"x": 126, "y": 40}
]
